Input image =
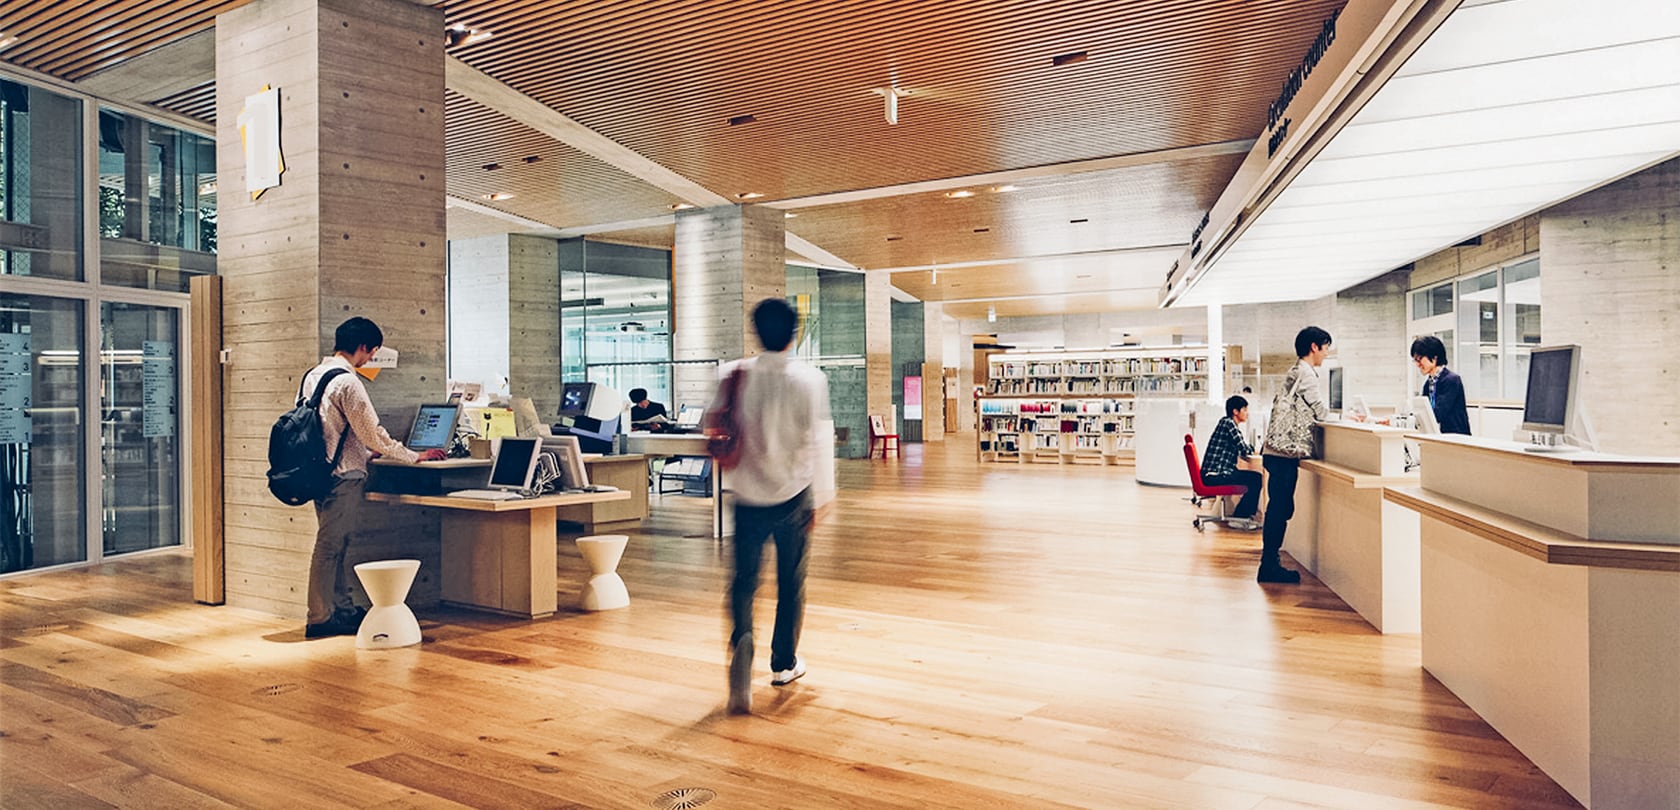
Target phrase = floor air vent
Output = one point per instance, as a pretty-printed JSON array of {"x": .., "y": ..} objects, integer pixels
[{"x": 684, "y": 798}]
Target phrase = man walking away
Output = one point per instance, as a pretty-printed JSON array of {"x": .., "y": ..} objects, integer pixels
[{"x": 783, "y": 483}]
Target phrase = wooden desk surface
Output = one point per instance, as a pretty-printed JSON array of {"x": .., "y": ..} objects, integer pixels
[
  {"x": 1359, "y": 480},
  {"x": 446, "y": 464},
  {"x": 513, "y": 505},
  {"x": 1542, "y": 543}
]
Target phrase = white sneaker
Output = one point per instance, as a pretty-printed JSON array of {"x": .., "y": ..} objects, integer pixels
[
  {"x": 1243, "y": 524},
  {"x": 788, "y": 676}
]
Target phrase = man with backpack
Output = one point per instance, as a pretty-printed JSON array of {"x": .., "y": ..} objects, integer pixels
[{"x": 350, "y": 427}]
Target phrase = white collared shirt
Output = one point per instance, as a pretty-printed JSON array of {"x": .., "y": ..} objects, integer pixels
[
  {"x": 786, "y": 442},
  {"x": 346, "y": 404}
]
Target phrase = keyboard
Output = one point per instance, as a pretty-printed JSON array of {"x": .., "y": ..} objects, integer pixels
[{"x": 485, "y": 494}]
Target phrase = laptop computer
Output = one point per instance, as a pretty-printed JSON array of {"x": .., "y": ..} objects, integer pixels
[
  {"x": 688, "y": 420},
  {"x": 512, "y": 472},
  {"x": 434, "y": 427}
]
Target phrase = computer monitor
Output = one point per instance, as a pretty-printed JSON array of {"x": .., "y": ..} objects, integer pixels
[
  {"x": 1333, "y": 394},
  {"x": 595, "y": 435},
  {"x": 434, "y": 426},
  {"x": 1553, "y": 373},
  {"x": 575, "y": 398},
  {"x": 1425, "y": 415},
  {"x": 569, "y": 457},
  {"x": 516, "y": 463}
]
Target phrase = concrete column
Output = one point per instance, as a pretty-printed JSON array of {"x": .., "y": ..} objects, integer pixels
[
  {"x": 1608, "y": 281},
  {"x": 355, "y": 228},
  {"x": 504, "y": 296},
  {"x": 725, "y": 261},
  {"x": 877, "y": 336},
  {"x": 933, "y": 370}
]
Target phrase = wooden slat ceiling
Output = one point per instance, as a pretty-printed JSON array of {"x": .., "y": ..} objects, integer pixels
[
  {"x": 663, "y": 79},
  {"x": 72, "y": 39},
  {"x": 562, "y": 187}
]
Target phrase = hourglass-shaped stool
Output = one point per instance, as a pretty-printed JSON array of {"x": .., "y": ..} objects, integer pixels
[
  {"x": 389, "y": 623},
  {"x": 605, "y": 589}
]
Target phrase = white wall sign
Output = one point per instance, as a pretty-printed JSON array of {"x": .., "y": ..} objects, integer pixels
[
  {"x": 157, "y": 398},
  {"x": 259, "y": 130},
  {"x": 16, "y": 388}
]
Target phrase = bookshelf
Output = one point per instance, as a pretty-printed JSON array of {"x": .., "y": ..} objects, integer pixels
[{"x": 1078, "y": 407}]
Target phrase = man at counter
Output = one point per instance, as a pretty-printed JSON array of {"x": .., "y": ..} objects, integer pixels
[
  {"x": 1229, "y": 460},
  {"x": 1444, "y": 388},
  {"x": 350, "y": 423},
  {"x": 1283, "y": 448},
  {"x": 645, "y": 414}
]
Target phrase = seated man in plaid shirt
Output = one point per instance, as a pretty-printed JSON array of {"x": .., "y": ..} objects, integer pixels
[{"x": 1229, "y": 460}]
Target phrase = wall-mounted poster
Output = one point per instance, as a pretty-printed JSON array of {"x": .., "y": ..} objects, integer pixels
[
  {"x": 16, "y": 388},
  {"x": 913, "y": 398},
  {"x": 259, "y": 130},
  {"x": 157, "y": 389}
]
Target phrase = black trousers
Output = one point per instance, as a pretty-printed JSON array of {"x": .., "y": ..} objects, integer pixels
[
  {"x": 1250, "y": 502},
  {"x": 789, "y": 523},
  {"x": 1280, "y": 504}
]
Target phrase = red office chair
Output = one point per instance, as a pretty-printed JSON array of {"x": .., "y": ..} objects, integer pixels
[{"x": 1202, "y": 492}]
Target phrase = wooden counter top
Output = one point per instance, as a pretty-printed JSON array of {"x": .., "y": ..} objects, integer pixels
[
  {"x": 1359, "y": 480},
  {"x": 1541, "y": 543},
  {"x": 514, "y": 505},
  {"x": 1577, "y": 458}
]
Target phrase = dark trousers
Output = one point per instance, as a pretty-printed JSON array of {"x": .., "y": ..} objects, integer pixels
[
  {"x": 1250, "y": 502},
  {"x": 1280, "y": 504},
  {"x": 789, "y": 523},
  {"x": 329, "y": 580}
]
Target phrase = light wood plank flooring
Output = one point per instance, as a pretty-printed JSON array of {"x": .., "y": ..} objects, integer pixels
[{"x": 978, "y": 636}]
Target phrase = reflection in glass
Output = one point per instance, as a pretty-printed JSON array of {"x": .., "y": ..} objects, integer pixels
[
  {"x": 1522, "y": 319},
  {"x": 157, "y": 203},
  {"x": 42, "y": 488},
  {"x": 139, "y": 358},
  {"x": 831, "y": 306},
  {"x": 1478, "y": 334},
  {"x": 40, "y": 183},
  {"x": 615, "y": 317}
]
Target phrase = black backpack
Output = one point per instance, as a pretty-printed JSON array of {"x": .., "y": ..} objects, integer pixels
[{"x": 298, "y": 468}]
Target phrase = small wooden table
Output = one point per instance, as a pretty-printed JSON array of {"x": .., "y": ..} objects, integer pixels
[
  {"x": 499, "y": 556},
  {"x": 683, "y": 444}
]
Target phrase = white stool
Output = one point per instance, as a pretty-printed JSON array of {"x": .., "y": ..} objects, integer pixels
[
  {"x": 389, "y": 623},
  {"x": 605, "y": 589}
]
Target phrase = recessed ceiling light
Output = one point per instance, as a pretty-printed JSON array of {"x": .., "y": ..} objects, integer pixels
[
  {"x": 498, "y": 196},
  {"x": 1003, "y": 188},
  {"x": 894, "y": 238},
  {"x": 738, "y": 120},
  {"x": 1068, "y": 58},
  {"x": 1077, "y": 221},
  {"x": 532, "y": 158},
  {"x": 8, "y": 40},
  {"x": 982, "y": 230},
  {"x": 790, "y": 215},
  {"x": 490, "y": 167},
  {"x": 681, "y": 206},
  {"x": 955, "y": 195},
  {"x": 1083, "y": 275},
  {"x": 749, "y": 195},
  {"x": 459, "y": 34}
]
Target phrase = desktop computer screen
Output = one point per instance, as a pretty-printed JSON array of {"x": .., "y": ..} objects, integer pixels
[
  {"x": 516, "y": 463},
  {"x": 1333, "y": 396},
  {"x": 1549, "y": 406},
  {"x": 434, "y": 427},
  {"x": 575, "y": 397}
]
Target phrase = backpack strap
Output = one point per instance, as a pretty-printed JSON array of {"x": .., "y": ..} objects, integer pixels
[{"x": 315, "y": 403}]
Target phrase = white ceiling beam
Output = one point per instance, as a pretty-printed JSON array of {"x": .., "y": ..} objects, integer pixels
[
  {"x": 1170, "y": 249},
  {"x": 530, "y": 225},
  {"x": 1237, "y": 147}
]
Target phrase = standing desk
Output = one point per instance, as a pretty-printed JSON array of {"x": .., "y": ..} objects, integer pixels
[
  {"x": 682, "y": 444},
  {"x": 499, "y": 556}
]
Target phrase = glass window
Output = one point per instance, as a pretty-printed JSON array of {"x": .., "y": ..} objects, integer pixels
[
  {"x": 831, "y": 308},
  {"x": 140, "y": 427},
  {"x": 41, "y": 412},
  {"x": 1428, "y": 303},
  {"x": 157, "y": 203},
  {"x": 615, "y": 317},
  {"x": 1522, "y": 320},
  {"x": 40, "y": 183},
  {"x": 1478, "y": 335}
]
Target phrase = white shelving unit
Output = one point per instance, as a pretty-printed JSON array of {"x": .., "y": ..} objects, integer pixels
[{"x": 1071, "y": 407}]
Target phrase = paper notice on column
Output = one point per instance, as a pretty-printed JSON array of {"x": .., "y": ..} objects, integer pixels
[
  {"x": 259, "y": 130},
  {"x": 16, "y": 388},
  {"x": 157, "y": 388}
]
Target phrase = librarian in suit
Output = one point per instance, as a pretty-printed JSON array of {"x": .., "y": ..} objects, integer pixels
[{"x": 1444, "y": 388}]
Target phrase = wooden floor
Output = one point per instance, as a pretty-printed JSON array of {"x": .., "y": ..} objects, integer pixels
[{"x": 996, "y": 636}]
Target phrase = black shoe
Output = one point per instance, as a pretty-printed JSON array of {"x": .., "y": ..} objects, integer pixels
[
  {"x": 1278, "y": 574},
  {"x": 331, "y": 627}
]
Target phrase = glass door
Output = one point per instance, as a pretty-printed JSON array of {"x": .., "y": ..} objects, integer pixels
[
  {"x": 140, "y": 426},
  {"x": 41, "y": 428}
]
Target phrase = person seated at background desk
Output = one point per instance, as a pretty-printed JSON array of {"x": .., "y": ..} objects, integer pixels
[
  {"x": 1229, "y": 460},
  {"x": 645, "y": 413},
  {"x": 1444, "y": 388}
]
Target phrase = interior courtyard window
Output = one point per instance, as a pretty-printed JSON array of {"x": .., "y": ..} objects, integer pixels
[
  {"x": 157, "y": 203},
  {"x": 40, "y": 183}
]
